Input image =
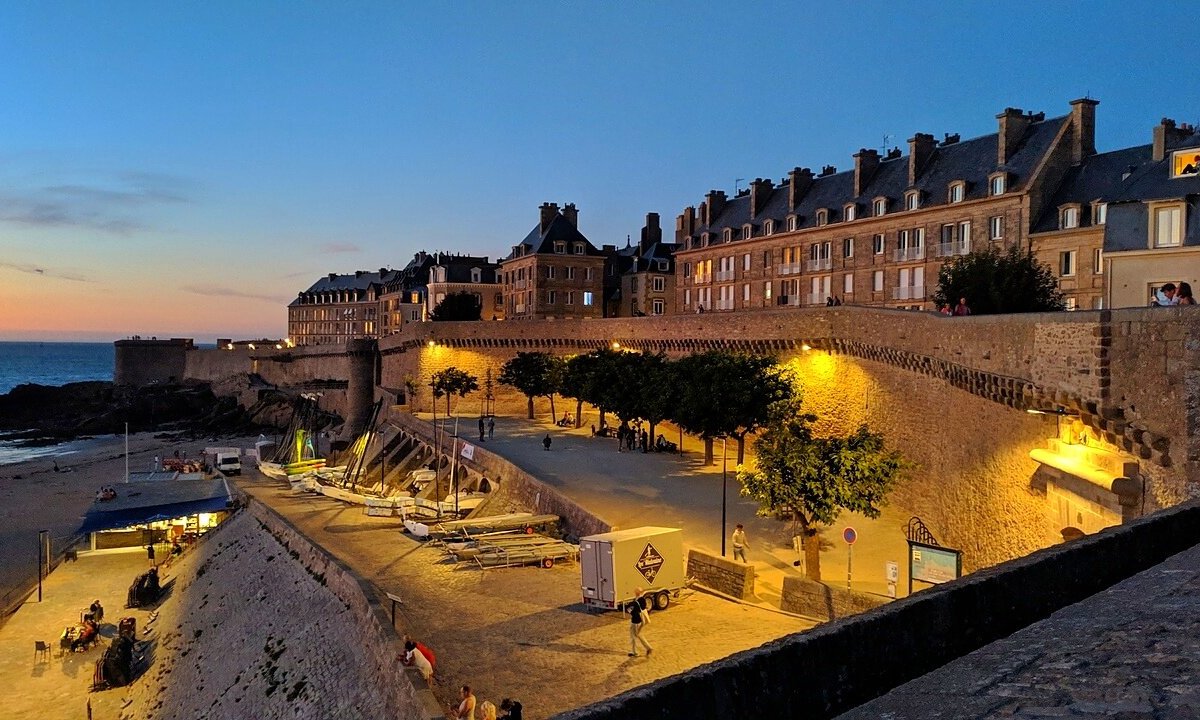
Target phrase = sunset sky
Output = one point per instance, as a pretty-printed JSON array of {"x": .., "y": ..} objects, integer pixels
[{"x": 184, "y": 169}]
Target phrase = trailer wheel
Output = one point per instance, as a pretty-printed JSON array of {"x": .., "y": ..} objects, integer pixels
[
  {"x": 528, "y": 529},
  {"x": 547, "y": 562},
  {"x": 662, "y": 600}
]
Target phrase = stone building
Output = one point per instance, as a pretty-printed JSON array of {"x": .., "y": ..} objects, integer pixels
[
  {"x": 403, "y": 297},
  {"x": 644, "y": 274},
  {"x": 465, "y": 273},
  {"x": 338, "y": 308},
  {"x": 555, "y": 272},
  {"x": 876, "y": 234}
]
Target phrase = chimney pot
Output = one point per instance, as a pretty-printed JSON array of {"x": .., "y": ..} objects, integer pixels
[
  {"x": 920, "y": 150},
  {"x": 866, "y": 162},
  {"x": 1167, "y": 137},
  {"x": 799, "y": 182}
]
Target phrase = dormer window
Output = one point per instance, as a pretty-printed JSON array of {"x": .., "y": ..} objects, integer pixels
[
  {"x": 560, "y": 248},
  {"x": 822, "y": 217},
  {"x": 1099, "y": 213},
  {"x": 791, "y": 223},
  {"x": 879, "y": 207},
  {"x": 958, "y": 192},
  {"x": 850, "y": 212},
  {"x": 1068, "y": 217},
  {"x": 998, "y": 184},
  {"x": 1185, "y": 163},
  {"x": 727, "y": 235},
  {"x": 704, "y": 240},
  {"x": 579, "y": 249},
  {"x": 912, "y": 199},
  {"x": 476, "y": 275},
  {"x": 769, "y": 227},
  {"x": 747, "y": 231}
]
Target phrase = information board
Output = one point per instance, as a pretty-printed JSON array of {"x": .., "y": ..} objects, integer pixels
[{"x": 932, "y": 564}]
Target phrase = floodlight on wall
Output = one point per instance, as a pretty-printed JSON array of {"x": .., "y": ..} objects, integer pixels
[
  {"x": 432, "y": 343},
  {"x": 1061, "y": 412},
  {"x": 616, "y": 345},
  {"x": 806, "y": 347}
]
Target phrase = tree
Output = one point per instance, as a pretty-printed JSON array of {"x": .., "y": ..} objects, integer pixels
[
  {"x": 458, "y": 306},
  {"x": 534, "y": 374},
  {"x": 578, "y": 378},
  {"x": 655, "y": 388},
  {"x": 816, "y": 478},
  {"x": 725, "y": 394},
  {"x": 452, "y": 381},
  {"x": 994, "y": 282}
]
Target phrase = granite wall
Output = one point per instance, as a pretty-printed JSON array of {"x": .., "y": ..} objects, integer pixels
[
  {"x": 728, "y": 577},
  {"x": 827, "y": 602}
]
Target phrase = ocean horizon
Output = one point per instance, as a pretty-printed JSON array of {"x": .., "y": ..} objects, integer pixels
[{"x": 54, "y": 363}]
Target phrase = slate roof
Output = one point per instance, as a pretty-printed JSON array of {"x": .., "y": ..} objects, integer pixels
[
  {"x": 359, "y": 280},
  {"x": 458, "y": 267},
  {"x": 1098, "y": 177},
  {"x": 1153, "y": 181},
  {"x": 648, "y": 261},
  {"x": 559, "y": 230},
  {"x": 143, "y": 502},
  {"x": 971, "y": 161}
]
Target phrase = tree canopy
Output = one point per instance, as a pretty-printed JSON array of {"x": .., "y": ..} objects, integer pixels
[
  {"x": 534, "y": 374},
  {"x": 994, "y": 282},
  {"x": 452, "y": 381},
  {"x": 457, "y": 306}
]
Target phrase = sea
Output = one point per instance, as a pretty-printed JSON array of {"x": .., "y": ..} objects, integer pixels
[{"x": 49, "y": 363}]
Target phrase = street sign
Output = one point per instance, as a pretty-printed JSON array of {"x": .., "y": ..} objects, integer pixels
[
  {"x": 468, "y": 451},
  {"x": 849, "y": 535}
]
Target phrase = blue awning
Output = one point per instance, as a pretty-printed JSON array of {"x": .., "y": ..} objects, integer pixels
[
  {"x": 94, "y": 522},
  {"x": 138, "y": 503}
]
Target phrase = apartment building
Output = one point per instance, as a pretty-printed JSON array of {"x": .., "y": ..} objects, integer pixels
[
  {"x": 642, "y": 276},
  {"x": 470, "y": 274},
  {"x": 403, "y": 299},
  {"x": 338, "y": 308},
  {"x": 876, "y": 234},
  {"x": 555, "y": 272}
]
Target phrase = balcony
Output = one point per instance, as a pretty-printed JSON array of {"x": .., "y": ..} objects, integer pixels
[
  {"x": 819, "y": 264},
  {"x": 702, "y": 280},
  {"x": 789, "y": 300},
  {"x": 951, "y": 249},
  {"x": 910, "y": 253},
  {"x": 789, "y": 268},
  {"x": 909, "y": 292},
  {"x": 724, "y": 275},
  {"x": 519, "y": 309}
]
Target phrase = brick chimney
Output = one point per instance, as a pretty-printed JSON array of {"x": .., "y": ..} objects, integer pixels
[
  {"x": 920, "y": 149},
  {"x": 1167, "y": 137},
  {"x": 571, "y": 213},
  {"x": 799, "y": 181},
  {"x": 685, "y": 224},
  {"x": 548, "y": 212},
  {"x": 651, "y": 233},
  {"x": 1083, "y": 129},
  {"x": 760, "y": 192},
  {"x": 714, "y": 203},
  {"x": 828, "y": 170},
  {"x": 866, "y": 162},
  {"x": 1013, "y": 123}
]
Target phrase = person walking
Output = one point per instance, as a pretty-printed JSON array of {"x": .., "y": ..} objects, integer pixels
[
  {"x": 546, "y": 441},
  {"x": 481, "y": 428},
  {"x": 491, "y": 427},
  {"x": 739, "y": 543},
  {"x": 639, "y": 617}
]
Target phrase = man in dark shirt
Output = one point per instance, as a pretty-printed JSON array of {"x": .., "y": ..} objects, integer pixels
[{"x": 639, "y": 617}]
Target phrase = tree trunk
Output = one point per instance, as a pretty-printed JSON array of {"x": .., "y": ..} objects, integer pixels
[
  {"x": 741, "y": 449},
  {"x": 708, "y": 451},
  {"x": 578, "y": 414},
  {"x": 530, "y": 406},
  {"x": 650, "y": 444},
  {"x": 812, "y": 552},
  {"x": 553, "y": 412},
  {"x": 447, "y": 405}
]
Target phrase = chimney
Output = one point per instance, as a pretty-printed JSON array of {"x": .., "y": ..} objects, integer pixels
[
  {"x": 333, "y": 276},
  {"x": 894, "y": 154},
  {"x": 760, "y": 192},
  {"x": 571, "y": 213},
  {"x": 651, "y": 233},
  {"x": 1013, "y": 123},
  {"x": 358, "y": 274},
  {"x": 714, "y": 203},
  {"x": 799, "y": 181},
  {"x": 866, "y": 162},
  {"x": 1083, "y": 129},
  {"x": 950, "y": 139},
  {"x": 1168, "y": 137},
  {"x": 920, "y": 149},
  {"x": 549, "y": 211},
  {"x": 685, "y": 224},
  {"x": 827, "y": 170}
]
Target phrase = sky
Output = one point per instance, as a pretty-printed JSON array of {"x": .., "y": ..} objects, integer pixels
[{"x": 184, "y": 169}]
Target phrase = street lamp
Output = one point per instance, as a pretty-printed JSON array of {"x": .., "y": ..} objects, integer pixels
[
  {"x": 43, "y": 557},
  {"x": 724, "y": 455}
]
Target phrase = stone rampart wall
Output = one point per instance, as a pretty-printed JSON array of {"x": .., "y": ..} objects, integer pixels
[
  {"x": 827, "y": 602},
  {"x": 728, "y": 577},
  {"x": 847, "y": 662},
  {"x": 375, "y": 631},
  {"x": 142, "y": 362}
]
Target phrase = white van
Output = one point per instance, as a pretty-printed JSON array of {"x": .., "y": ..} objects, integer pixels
[{"x": 229, "y": 463}]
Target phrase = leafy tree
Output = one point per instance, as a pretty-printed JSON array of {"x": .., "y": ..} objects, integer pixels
[
  {"x": 452, "y": 381},
  {"x": 994, "y": 282},
  {"x": 725, "y": 394},
  {"x": 655, "y": 388},
  {"x": 457, "y": 306},
  {"x": 534, "y": 374},
  {"x": 578, "y": 378},
  {"x": 815, "y": 478}
]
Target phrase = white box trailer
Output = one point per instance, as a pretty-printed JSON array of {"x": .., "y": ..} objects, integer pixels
[{"x": 615, "y": 564}]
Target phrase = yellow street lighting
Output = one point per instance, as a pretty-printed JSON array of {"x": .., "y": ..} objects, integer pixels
[
  {"x": 251, "y": 346},
  {"x": 616, "y": 345},
  {"x": 432, "y": 343},
  {"x": 806, "y": 347}
]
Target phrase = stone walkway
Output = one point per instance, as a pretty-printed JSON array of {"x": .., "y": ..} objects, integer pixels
[{"x": 1129, "y": 652}]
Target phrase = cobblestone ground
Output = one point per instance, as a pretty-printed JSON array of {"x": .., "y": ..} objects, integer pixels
[
  {"x": 519, "y": 632},
  {"x": 1130, "y": 652}
]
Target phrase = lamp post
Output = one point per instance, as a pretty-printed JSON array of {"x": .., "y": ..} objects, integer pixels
[
  {"x": 724, "y": 444},
  {"x": 42, "y": 558}
]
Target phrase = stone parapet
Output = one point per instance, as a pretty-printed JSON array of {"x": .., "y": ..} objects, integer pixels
[
  {"x": 814, "y": 599},
  {"x": 728, "y": 577}
]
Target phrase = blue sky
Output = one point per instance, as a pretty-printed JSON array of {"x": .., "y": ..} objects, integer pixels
[{"x": 185, "y": 169}]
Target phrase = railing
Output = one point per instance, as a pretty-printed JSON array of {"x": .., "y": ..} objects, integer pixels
[
  {"x": 819, "y": 264},
  {"x": 519, "y": 309},
  {"x": 910, "y": 253},
  {"x": 789, "y": 268},
  {"x": 909, "y": 292},
  {"x": 724, "y": 304},
  {"x": 817, "y": 298},
  {"x": 724, "y": 275},
  {"x": 702, "y": 279},
  {"x": 951, "y": 249}
]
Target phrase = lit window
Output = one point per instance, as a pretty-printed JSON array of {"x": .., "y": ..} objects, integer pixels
[
  {"x": 879, "y": 244},
  {"x": 848, "y": 284},
  {"x": 851, "y": 212},
  {"x": 1098, "y": 261},
  {"x": 1066, "y": 263},
  {"x": 879, "y": 207},
  {"x": 1069, "y": 218},
  {"x": 1167, "y": 229},
  {"x": 848, "y": 248},
  {"x": 997, "y": 185},
  {"x": 957, "y": 192},
  {"x": 877, "y": 281},
  {"x": 1100, "y": 213},
  {"x": 996, "y": 227},
  {"x": 912, "y": 200},
  {"x": 822, "y": 217},
  {"x": 687, "y": 297},
  {"x": 587, "y": 298},
  {"x": 1185, "y": 163},
  {"x": 1072, "y": 303}
]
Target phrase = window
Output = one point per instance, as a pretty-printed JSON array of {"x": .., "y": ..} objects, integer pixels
[
  {"x": 766, "y": 258},
  {"x": 848, "y": 248},
  {"x": 747, "y": 231},
  {"x": 997, "y": 185},
  {"x": 687, "y": 269},
  {"x": 587, "y": 273},
  {"x": 659, "y": 284},
  {"x": 1185, "y": 163},
  {"x": 550, "y": 272},
  {"x": 850, "y": 212},
  {"x": 746, "y": 262},
  {"x": 948, "y": 233},
  {"x": 587, "y": 298},
  {"x": 1066, "y": 263},
  {"x": 704, "y": 240},
  {"x": 877, "y": 281},
  {"x": 879, "y": 244},
  {"x": 570, "y": 273},
  {"x": 848, "y": 284},
  {"x": 1166, "y": 229},
  {"x": 879, "y": 207},
  {"x": 791, "y": 223},
  {"x": 560, "y": 248},
  {"x": 727, "y": 236},
  {"x": 746, "y": 294},
  {"x": 1072, "y": 303},
  {"x": 769, "y": 227},
  {"x": 912, "y": 200},
  {"x": 1068, "y": 218},
  {"x": 551, "y": 297},
  {"x": 1100, "y": 213},
  {"x": 687, "y": 297},
  {"x": 570, "y": 297},
  {"x": 658, "y": 306},
  {"x": 1098, "y": 261},
  {"x": 579, "y": 249},
  {"x": 767, "y": 292},
  {"x": 822, "y": 217},
  {"x": 964, "y": 233},
  {"x": 996, "y": 227},
  {"x": 957, "y": 192}
]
